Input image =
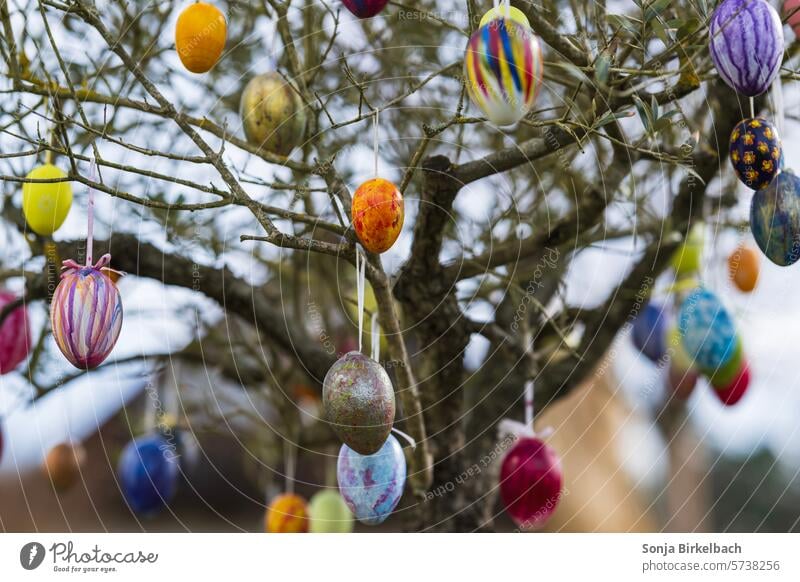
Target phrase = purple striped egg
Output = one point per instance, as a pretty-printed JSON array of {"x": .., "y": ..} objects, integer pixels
[
  {"x": 365, "y": 8},
  {"x": 746, "y": 42},
  {"x": 86, "y": 316}
]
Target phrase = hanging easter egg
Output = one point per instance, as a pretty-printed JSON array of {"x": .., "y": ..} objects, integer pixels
[
  {"x": 503, "y": 67},
  {"x": 746, "y": 43},
  {"x": 328, "y": 513},
  {"x": 649, "y": 331},
  {"x": 682, "y": 382},
  {"x": 286, "y": 514},
  {"x": 378, "y": 212},
  {"x": 358, "y": 399},
  {"x": 743, "y": 268},
  {"x": 530, "y": 482},
  {"x": 372, "y": 485},
  {"x": 63, "y": 464},
  {"x": 505, "y": 12},
  {"x": 273, "y": 115},
  {"x": 46, "y": 204},
  {"x": 15, "y": 335},
  {"x": 86, "y": 314},
  {"x": 365, "y": 8},
  {"x": 148, "y": 473},
  {"x": 775, "y": 219},
  {"x": 688, "y": 257},
  {"x": 707, "y": 330},
  {"x": 726, "y": 373},
  {"x": 200, "y": 35},
  {"x": 733, "y": 393},
  {"x": 755, "y": 152},
  {"x": 791, "y": 12}
]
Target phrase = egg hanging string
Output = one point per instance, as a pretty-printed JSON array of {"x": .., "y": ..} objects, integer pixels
[
  {"x": 290, "y": 462},
  {"x": 361, "y": 271},
  {"x": 752, "y": 107},
  {"x": 375, "y": 338}
]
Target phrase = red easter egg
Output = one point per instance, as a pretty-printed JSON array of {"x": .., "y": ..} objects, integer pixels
[
  {"x": 682, "y": 383},
  {"x": 15, "y": 335},
  {"x": 530, "y": 482},
  {"x": 734, "y": 392},
  {"x": 791, "y": 10},
  {"x": 377, "y": 213}
]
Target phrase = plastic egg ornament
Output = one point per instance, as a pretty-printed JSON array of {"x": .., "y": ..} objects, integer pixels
[
  {"x": 286, "y": 514},
  {"x": 328, "y": 513},
  {"x": 775, "y": 219},
  {"x": 708, "y": 332},
  {"x": 746, "y": 43},
  {"x": 688, "y": 257},
  {"x": 649, "y": 331},
  {"x": 148, "y": 471},
  {"x": 365, "y": 8},
  {"x": 63, "y": 464},
  {"x": 273, "y": 115},
  {"x": 200, "y": 35},
  {"x": 743, "y": 268},
  {"x": 358, "y": 400},
  {"x": 505, "y": 12},
  {"x": 378, "y": 212},
  {"x": 755, "y": 152},
  {"x": 372, "y": 485},
  {"x": 791, "y": 12},
  {"x": 86, "y": 315},
  {"x": 15, "y": 335},
  {"x": 733, "y": 393},
  {"x": 503, "y": 67},
  {"x": 531, "y": 479},
  {"x": 46, "y": 204}
]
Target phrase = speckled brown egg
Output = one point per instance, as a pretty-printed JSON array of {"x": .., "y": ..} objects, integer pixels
[
  {"x": 273, "y": 115},
  {"x": 358, "y": 398}
]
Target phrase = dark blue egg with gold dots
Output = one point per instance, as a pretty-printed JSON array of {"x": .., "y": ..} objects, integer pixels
[{"x": 756, "y": 153}]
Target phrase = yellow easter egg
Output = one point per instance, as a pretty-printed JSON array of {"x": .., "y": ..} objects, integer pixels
[
  {"x": 514, "y": 14},
  {"x": 46, "y": 204}
]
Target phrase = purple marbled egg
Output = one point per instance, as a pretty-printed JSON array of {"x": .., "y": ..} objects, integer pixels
[
  {"x": 365, "y": 8},
  {"x": 372, "y": 485},
  {"x": 358, "y": 398},
  {"x": 746, "y": 43}
]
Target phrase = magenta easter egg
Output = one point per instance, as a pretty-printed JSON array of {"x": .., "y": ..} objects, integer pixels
[
  {"x": 530, "y": 482},
  {"x": 15, "y": 335},
  {"x": 365, "y": 8},
  {"x": 86, "y": 316}
]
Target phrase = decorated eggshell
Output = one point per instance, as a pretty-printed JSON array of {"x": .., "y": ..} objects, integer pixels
[
  {"x": 734, "y": 392},
  {"x": 365, "y": 8},
  {"x": 682, "y": 382},
  {"x": 746, "y": 43},
  {"x": 755, "y": 152},
  {"x": 63, "y": 464},
  {"x": 688, "y": 257},
  {"x": 743, "y": 268},
  {"x": 378, "y": 212},
  {"x": 286, "y": 514},
  {"x": 328, "y": 513},
  {"x": 707, "y": 330},
  {"x": 500, "y": 12},
  {"x": 775, "y": 219},
  {"x": 372, "y": 485},
  {"x": 273, "y": 115},
  {"x": 358, "y": 399},
  {"x": 15, "y": 335},
  {"x": 86, "y": 316},
  {"x": 531, "y": 479},
  {"x": 503, "y": 67},
  {"x": 200, "y": 35},
  {"x": 679, "y": 359},
  {"x": 791, "y": 11},
  {"x": 46, "y": 204},
  {"x": 725, "y": 374},
  {"x": 148, "y": 472},
  {"x": 649, "y": 331}
]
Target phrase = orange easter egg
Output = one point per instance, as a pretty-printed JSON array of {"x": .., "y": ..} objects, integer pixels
[
  {"x": 63, "y": 465},
  {"x": 377, "y": 214},
  {"x": 287, "y": 514},
  {"x": 200, "y": 36},
  {"x": 743, "y": 268}
]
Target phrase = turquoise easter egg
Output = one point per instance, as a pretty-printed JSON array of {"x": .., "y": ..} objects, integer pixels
[
  {"x": 372, "y": 484},
  {"x": 775, "y": 219},
  {"x": 708, "y": 332}
]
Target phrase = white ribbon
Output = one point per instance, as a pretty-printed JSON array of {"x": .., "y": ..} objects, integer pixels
[
  {"x": 407, "y": 437},
  {"x": 376, "y": 339},
  {"x": 361, "y": 271}
]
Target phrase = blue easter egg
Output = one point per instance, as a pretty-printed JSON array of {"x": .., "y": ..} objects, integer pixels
[
  {"x": 649, "y": 331},
  {"x": 708, "y": 332},
  {"x": 372, "y": 484},
  {"x": 756, "y": 153},
  {"x": 148, "y": 474},
  {"x": 775, "y": 219}
]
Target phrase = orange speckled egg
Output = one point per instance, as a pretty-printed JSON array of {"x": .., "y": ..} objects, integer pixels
[
  {"x": 743, "y": 268},
  {"x": 377, "y": 214},
  {"x": 287, "y": 514},
  {"x": 200, "y": 36}
]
